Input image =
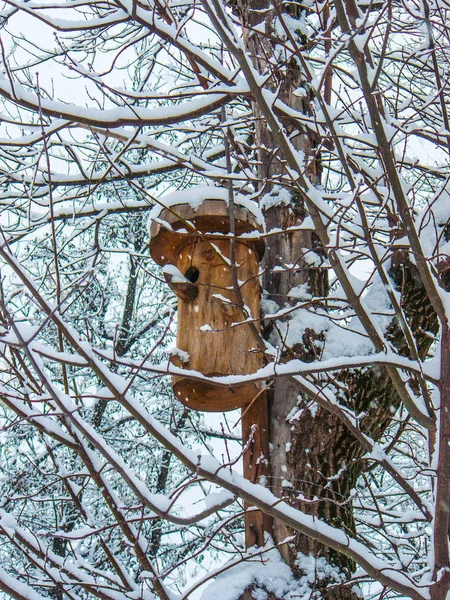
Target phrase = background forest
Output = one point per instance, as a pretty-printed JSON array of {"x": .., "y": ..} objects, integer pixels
[{"x": 329, "y": 119}]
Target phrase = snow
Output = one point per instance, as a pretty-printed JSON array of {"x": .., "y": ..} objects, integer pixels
[
  {"x": 316, "y": 569},
  {"x": 274, "y": 369},
  {"x": 341, "y": 341},
  {"x": 266, "y": 572},
  {"x": 65, "y": 570},
  {"x": 308, "y": 524},
  {"x": 114, "y": 117},
  {"x": 278, "y": 196},
  {"x": 362, "y": 39},
  {"x": 25, "y": 333},
  {"x": 300, "y": 292},
  {"x": 195, "y": 196},
  {"x": 17, "y": 588},
  {"x": 213, "y": 500},
  {"x": 431, "y": 221},
  {"x": 223, "y": 299},
  {"x": 181, "y": 354},
  {"x": 343, "y": 336},
  {"x": 175, "y": 275}
]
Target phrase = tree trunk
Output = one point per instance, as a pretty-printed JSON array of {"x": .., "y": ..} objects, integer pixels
[{"x": 315, "y": 462}]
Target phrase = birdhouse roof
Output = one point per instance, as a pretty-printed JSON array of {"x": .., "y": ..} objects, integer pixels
[
  {"x": 202, "y": 212},
  {"x": 197, "y": 195}
]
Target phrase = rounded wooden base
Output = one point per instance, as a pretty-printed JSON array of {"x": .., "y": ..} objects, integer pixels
[{"x": 209, "y": 397}]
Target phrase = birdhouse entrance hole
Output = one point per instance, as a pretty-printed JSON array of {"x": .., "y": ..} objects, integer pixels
[
  {"x": 192, "y": 274},
  {"x": 194, "y": 246}
]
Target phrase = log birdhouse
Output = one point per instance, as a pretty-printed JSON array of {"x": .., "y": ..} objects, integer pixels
[{"x": 193, "y": 247}]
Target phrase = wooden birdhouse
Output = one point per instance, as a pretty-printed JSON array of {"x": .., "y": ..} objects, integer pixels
[{"x": 192, "y": 244}]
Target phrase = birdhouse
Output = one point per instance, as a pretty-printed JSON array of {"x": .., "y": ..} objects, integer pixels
[{"x": 192, "y": 244}]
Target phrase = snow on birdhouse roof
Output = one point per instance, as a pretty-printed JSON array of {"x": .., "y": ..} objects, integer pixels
[{"x": 195, "y": 196}]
